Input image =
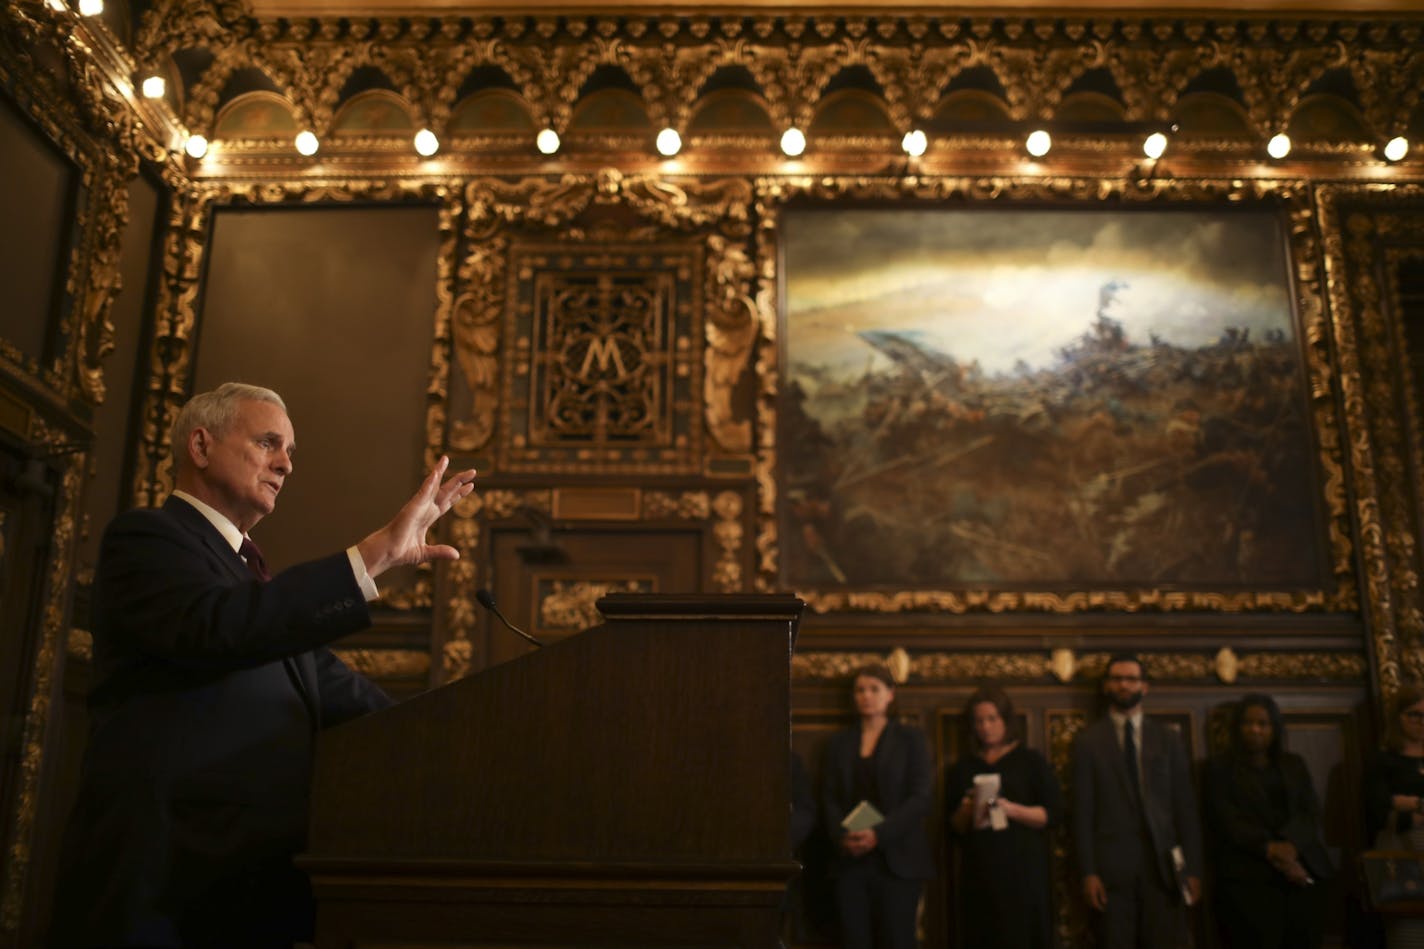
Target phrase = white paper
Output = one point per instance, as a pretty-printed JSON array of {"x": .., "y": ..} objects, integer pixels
[{"x": 986, "y": 791}]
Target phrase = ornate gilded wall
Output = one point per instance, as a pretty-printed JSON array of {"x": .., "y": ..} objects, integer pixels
[{"x": 607, "y": 339}]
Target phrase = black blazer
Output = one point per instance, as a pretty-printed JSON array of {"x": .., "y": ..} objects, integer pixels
[
  {"x": 1240, "y": 823},
  {"x": 905, "y": 778},
  {"x": 209, "y": 689},
  {"x": 1106, "y": 819}
]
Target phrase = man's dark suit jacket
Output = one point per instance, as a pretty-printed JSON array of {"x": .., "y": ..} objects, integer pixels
[
  {"x": 905, "y": 778},
  {"x": 1107, "y": 824},
  {"x": 209, "y": 688},
  {"x": 1240, "y": 823}
]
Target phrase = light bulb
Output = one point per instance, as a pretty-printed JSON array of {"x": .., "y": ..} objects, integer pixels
[
  {"x": 547, "y": 141},
  {"x": 196, "y": 146},
  {"x": 669, "y": 143},
  {"x": 1279, "y": 146},
  {"x": 914, "y": 143},
  {"x": 426, "y": 144},
  {"x": 306, "y": 143},
  {"x": 1155, "y": 145},
  {"x": 1038, "y": 143},
  {"x": 1396, "y": 148},
  {"x": 793, "y": 142}
]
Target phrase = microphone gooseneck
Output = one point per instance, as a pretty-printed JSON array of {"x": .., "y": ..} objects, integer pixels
[{"x": 486, "y": 599}]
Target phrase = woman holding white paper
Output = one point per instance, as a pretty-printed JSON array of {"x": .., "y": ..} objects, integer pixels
[
  {"x": 1003, "y": 797},
  {"x": 875, "y": 796}
]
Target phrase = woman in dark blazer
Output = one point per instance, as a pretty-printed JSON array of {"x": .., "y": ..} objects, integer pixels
[
  {"x": 1263, "y": 830},
  {"x": 880, "y": 870}
]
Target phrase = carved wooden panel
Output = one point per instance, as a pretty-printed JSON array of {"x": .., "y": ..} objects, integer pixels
[
  {"x": 606, "y": 374},
  {"x": 36, "y": 185},
  {"x": 551, "y": 592}
]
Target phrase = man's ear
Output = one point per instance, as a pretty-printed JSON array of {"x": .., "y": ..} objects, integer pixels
[{"x": 200, "y": 441}]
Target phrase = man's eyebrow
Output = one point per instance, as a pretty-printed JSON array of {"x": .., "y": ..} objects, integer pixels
[{"x": 277, "y": 437}]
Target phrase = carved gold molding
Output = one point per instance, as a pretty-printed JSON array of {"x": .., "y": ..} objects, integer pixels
[
  {"x": 911, "y": 61},
  {"x": 573, "y": 606},
  {"x": 169, "y": 375},
  {"x": 1381, "y": 412},
  {"x": 774, "y": 194},
  {"x": 720, "y": 514},
  {"x": 1065, "y": 666},
  {"x": 539, "y": 228},
  {"x": 53, "y": 634},
  {"x": 64, "y": 85},
  {"x": 1071, "y": 924},
  {"x": 387, "y": 663}
]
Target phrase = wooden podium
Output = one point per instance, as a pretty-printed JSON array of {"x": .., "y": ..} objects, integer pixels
[{"x": 628, "y": 786}]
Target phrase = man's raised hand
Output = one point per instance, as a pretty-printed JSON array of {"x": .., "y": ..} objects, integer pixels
[{"x": 402, "y": 541}]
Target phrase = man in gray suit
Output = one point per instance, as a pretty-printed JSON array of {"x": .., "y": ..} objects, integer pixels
[{"x": 1135, "y": 819}]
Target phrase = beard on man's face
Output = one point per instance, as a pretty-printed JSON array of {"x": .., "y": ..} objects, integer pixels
[{"x": 1125, "y": 702}]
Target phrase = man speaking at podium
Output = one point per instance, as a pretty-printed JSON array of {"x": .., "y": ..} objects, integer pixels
[{"x": 211, "y": 680}]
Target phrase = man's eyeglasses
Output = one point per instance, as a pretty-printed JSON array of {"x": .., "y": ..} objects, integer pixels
[
  {"x": 1127, "y": 679},
  {"x": 1414, "y": 715}
]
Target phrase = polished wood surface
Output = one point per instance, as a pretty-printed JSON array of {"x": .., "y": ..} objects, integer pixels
[{"x": 591, "y": 792}]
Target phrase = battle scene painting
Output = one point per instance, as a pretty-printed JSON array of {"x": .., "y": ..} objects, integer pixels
[{"x": 1043, "y": 399}]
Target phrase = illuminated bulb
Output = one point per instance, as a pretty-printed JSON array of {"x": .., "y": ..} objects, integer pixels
[
  {"x": 154, "y": 87},
  {"x": 196, "y": 146},
  {"x": 793, "y": 142},
  {"x": 307, "y": 143},
  {"x": 1396, "y": 148},
  {"x": 1155, "y": 145},
  {"x": 1279, "y": 146},
  {"x": 669, "y": 143},
  {"x": 1038, "y": 143},
  {"x": 426, "y": 144},
  {"x": 91, "y": 7},
  {"x": 547, "y": 142},
  {"x": 914, "y": 143}
]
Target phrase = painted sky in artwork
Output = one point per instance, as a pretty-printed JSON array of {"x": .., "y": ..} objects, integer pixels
[{"x": 1002, "y": 287}]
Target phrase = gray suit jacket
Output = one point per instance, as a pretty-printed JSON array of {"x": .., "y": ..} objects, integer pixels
[{"x": 1107, "y": 821}]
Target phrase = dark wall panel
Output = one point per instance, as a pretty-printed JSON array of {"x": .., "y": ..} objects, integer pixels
[
  {"x": 35, "y": 184},
  {"x": 333, "y": 308},
  {"x": 107, "y": 492}
]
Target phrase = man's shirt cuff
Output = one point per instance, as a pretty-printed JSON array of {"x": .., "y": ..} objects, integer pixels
[{"x": 363, "y": 579}]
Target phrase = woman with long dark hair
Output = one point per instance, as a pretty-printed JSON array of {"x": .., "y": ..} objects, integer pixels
[
  {"x": 1394, "y": 797},
  {"x": 1263, "y": 834},
  {"x": 1002, "y": 798},
  {"x": 882, "y": 862}
]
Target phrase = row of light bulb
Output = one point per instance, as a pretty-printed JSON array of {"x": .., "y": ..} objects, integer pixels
[
  {"x": 793, "y": 140},
  {"x": 669, "y": 143},
  {"x": 793, "y": 144}
]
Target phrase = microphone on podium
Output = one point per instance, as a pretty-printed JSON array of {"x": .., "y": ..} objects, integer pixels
[{"x": 486, "y": 599}]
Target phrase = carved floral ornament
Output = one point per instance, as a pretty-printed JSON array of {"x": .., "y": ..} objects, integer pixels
[
  {"x": 569, "y": 604},
  {"x": 1368, "y": 235},
  {"x": 1341, "y": 86},
  {"x": 1064, "y": 665}
]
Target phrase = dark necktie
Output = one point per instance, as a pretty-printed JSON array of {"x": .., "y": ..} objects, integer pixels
[
  {"x": 258, "y": 565},
  {"x": 253, "y": 555},
  {"x": 1129, "y": 754}
]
